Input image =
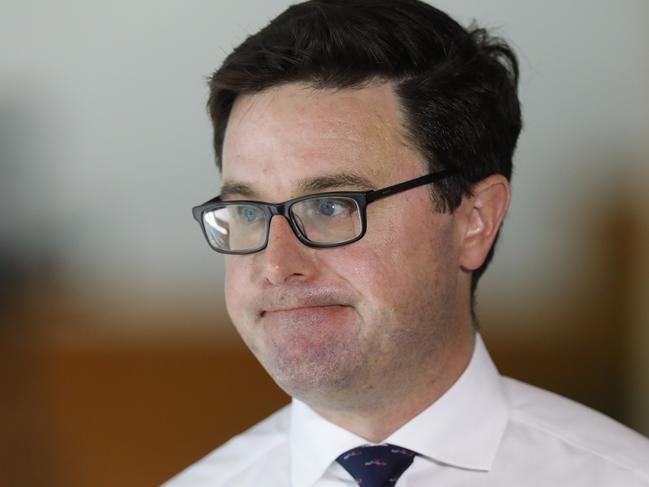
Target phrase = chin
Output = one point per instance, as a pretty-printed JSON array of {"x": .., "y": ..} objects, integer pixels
[{"x": 311, "y": 375}]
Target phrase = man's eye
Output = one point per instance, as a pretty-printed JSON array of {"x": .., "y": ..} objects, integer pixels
[
  {"x": 249, "y": 214},
  {"x": 331, "y": 207}
]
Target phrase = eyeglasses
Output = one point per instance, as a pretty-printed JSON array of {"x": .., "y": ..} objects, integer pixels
[{"x": 319, "y": 220}]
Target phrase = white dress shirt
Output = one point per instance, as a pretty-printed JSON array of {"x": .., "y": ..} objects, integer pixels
[{"x": 486, "y": 430}]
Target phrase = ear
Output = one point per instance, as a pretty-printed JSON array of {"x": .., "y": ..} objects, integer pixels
[{"x": 482, "y": 215}]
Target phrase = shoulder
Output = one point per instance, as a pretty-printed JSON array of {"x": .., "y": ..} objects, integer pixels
[
  {"x": 576, "y": 432},
  {"x": 238, "y": 455}
]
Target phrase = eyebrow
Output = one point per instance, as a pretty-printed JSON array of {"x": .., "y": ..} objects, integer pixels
[{"x": 305, "y": 186}]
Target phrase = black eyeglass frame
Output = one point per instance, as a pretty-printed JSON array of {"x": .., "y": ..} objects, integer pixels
[{"x": 362, "y": 198}]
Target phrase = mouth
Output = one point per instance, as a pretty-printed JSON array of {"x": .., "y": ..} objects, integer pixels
[
  {"x": 312, "y": 309},
  {"x": 309, "y": 304},
  {"x": 330, "y": 316}
]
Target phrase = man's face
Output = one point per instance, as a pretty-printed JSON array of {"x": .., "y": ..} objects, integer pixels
[{"x": 338, "y": 326}]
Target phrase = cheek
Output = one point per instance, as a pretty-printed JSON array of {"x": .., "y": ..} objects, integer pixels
[
  {"x": 400, "y": 264},
  {"x": 235, "y": 283},
  {"x": 379, "y": 271}
]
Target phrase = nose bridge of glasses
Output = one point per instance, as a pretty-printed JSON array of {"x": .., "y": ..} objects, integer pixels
[
  {"x": 284, "y": 209},
  {"x": 277, "y": 209}
]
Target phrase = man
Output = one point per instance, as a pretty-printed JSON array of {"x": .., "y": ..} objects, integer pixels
[{"x": 365, "y": 148}]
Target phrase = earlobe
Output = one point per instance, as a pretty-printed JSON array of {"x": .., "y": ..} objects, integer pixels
[{"x": 483, "y": 215}]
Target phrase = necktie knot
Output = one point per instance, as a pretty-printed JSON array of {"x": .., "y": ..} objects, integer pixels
[{"x": 376, "y": 466}]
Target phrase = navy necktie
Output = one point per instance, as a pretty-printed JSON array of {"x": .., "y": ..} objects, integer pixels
[{"x": 376, "y": 466}]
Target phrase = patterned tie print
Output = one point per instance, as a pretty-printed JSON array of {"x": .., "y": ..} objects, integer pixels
[{"x": 376, "y": 466}]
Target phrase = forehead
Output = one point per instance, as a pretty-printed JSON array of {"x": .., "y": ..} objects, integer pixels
[{"x": 280, "y": 137}]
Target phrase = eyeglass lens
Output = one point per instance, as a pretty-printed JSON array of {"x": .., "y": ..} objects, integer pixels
[{"x": 320, "y": 220}]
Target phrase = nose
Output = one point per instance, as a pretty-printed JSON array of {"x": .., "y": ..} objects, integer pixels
[{"x": 285, "y": 258}]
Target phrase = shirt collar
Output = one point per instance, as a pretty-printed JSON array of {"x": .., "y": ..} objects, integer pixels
[{"x": 463, "y": 428}]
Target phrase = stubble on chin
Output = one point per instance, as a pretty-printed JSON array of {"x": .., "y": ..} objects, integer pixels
[{"x": 312, "y": 366}]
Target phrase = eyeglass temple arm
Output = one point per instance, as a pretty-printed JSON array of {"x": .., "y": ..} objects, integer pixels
[
  {"x": 397, "y": 188},
  {"x": 370, "y": 196}
]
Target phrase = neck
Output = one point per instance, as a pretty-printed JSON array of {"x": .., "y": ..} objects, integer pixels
[{"x": 384, "y": 417}]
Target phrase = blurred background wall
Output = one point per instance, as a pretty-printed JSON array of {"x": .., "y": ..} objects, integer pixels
[{"x": 118, "y": 364}]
